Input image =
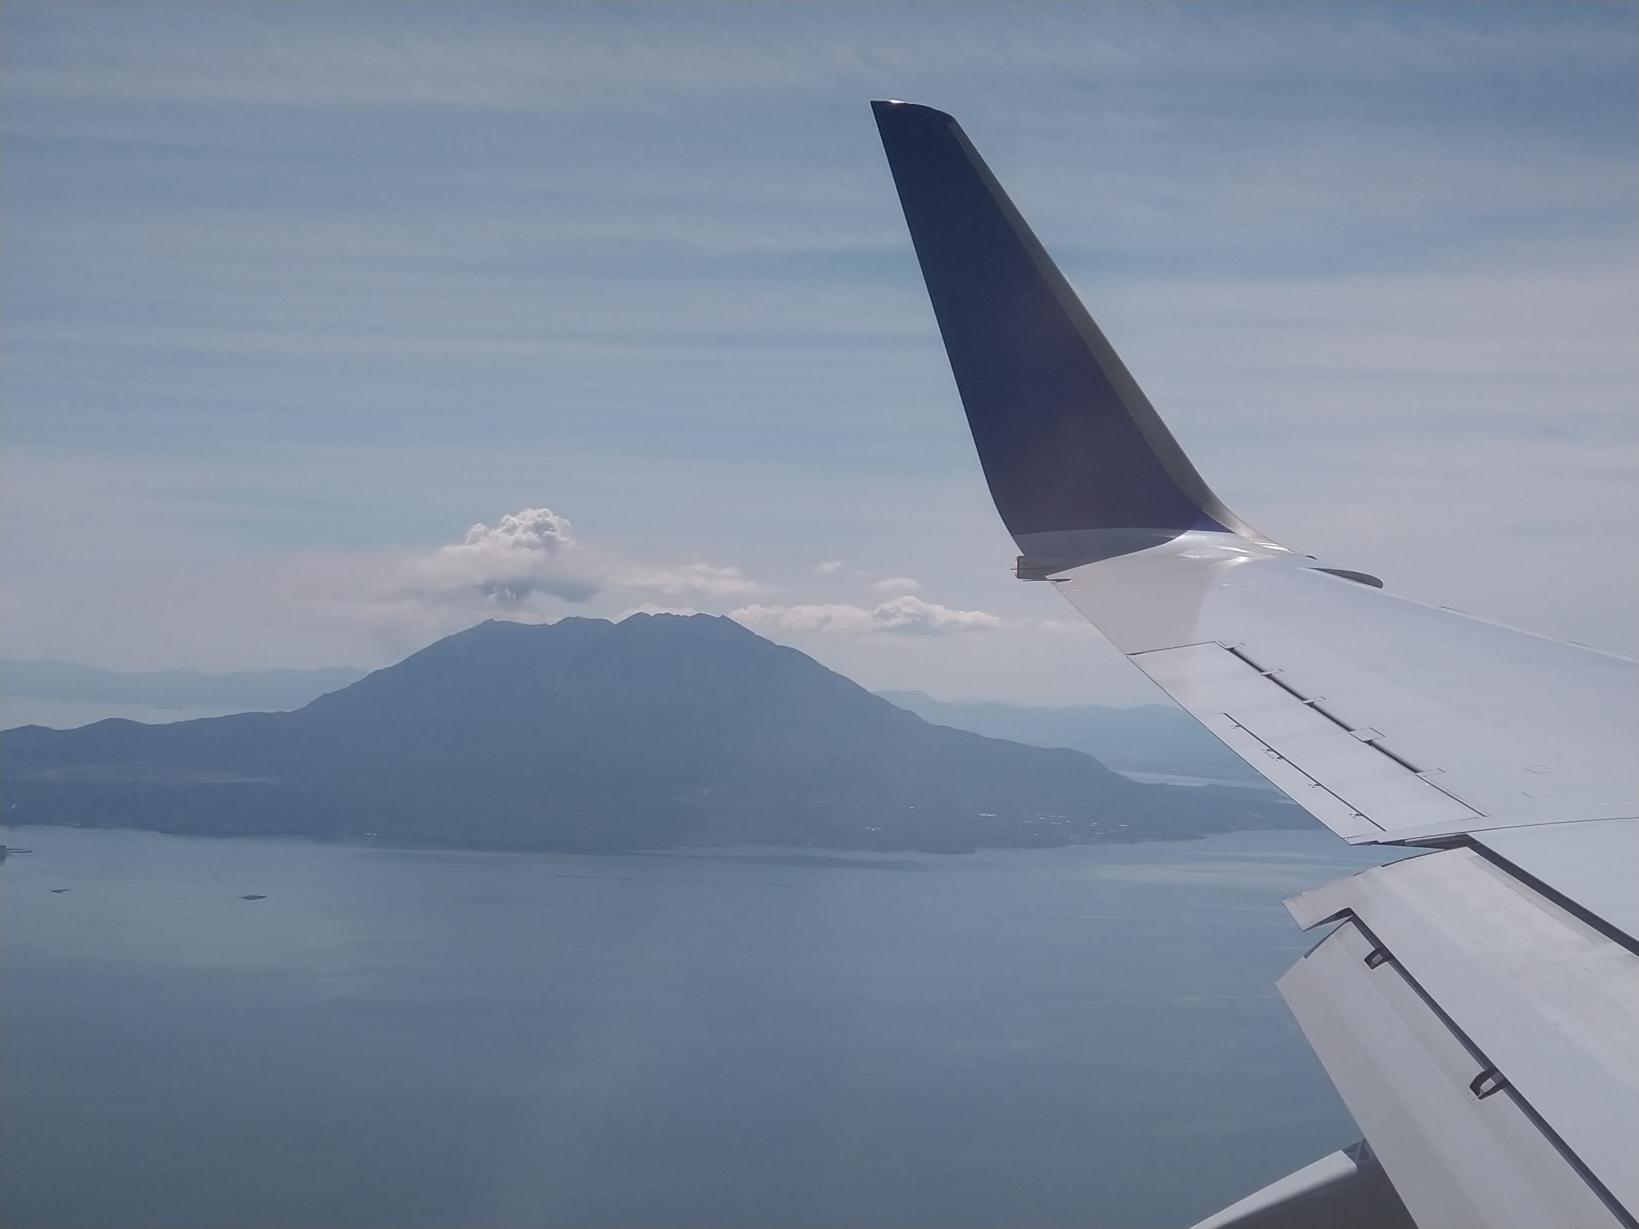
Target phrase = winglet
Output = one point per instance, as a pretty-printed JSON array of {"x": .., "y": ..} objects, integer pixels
[{"x": 1079, "y": 463}]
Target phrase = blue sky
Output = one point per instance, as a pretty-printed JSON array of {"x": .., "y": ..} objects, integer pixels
[{"x": 294, "y": 296}]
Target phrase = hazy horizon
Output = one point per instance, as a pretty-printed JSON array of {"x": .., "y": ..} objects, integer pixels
[{"x": 44, "y": 684}]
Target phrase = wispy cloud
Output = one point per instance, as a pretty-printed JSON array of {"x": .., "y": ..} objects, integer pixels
[
  {"x": 899, "y": 616},
  {"x": 896, "y": 584},
  {"x": 688, "y": 580}
]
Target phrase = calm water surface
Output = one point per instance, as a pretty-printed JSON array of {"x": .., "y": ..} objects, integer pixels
[{"x": 751, "y": 1037}]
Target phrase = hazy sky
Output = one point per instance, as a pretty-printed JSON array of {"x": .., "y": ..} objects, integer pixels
[{"x": 329, "y": 329}]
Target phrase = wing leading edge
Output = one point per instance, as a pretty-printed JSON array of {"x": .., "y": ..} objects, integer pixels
[{"x": 1456, "y": 1024}]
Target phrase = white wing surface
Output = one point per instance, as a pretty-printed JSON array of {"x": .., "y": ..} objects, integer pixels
[{"x": 1477, "y": 1007}]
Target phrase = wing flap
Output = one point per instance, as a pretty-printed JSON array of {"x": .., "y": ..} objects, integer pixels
[
  {"x": 1457, "y": 1159},
  {"x": 1541, "y": 997},
  {"x": 1334, "y": 770}
]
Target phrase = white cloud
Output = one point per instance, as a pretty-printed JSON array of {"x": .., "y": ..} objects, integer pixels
[
  {"x": 528, "y": 529},
  {"x": 689, "y": 580},
  {"x": 828, "y": 567},
  {"x": 897, "y": 584},
  {"x": 905, "y": 615},
  {"x": 533, "y": 554},
  {"x": 525, "y": 554},
  {"x": 815, "y": 617},
  {"x": 912, "y": 614}
]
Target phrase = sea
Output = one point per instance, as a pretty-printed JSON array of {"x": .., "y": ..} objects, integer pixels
[{"x": 199, "y": 1032}]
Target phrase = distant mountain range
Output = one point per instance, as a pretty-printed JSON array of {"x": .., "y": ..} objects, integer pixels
[
  {"x": 1151, "y": 738},
  {"x": 657, "y": 731}
]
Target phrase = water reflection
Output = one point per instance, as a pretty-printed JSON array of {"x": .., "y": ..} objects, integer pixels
[{"x": 749, "y": 1037}]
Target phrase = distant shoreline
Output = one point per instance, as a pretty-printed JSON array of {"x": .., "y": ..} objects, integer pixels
[
  {"x": 361, "y": 841},
  {"x": 1190, "y": 782}
]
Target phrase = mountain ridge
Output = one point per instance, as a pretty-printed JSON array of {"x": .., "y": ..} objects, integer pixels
[{"x": 657, "y": 731}]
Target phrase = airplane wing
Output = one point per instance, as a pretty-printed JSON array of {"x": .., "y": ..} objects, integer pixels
[{"x": 1477, "y": 1006}]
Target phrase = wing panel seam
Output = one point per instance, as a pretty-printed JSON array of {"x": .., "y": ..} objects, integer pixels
[
  {"x": 1359, "y": 733},
  {"x": 1355, "y": 811}
]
